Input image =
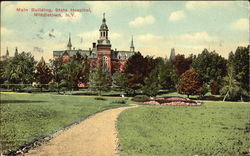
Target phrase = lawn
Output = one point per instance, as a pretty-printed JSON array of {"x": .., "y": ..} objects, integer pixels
[
  {"x": 25, "y": 117},
  {"x": 215, "y": 128}
]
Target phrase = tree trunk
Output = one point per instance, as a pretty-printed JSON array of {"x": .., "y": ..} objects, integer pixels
[
  {"x": 241, "y": 98},
  {"x": 225, "y": 96}
]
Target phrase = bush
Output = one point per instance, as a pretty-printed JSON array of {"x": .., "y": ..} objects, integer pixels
[
  {"x": 140, "y": 98},
  {"x": 99, "y": 98},
  {"x": 120, "y": 102},
  {"x": 215, "y": 88}
]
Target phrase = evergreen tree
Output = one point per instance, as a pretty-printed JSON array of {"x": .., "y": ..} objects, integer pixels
[
  {"x": 210, "y": 66},
  {"x": 99, "y": 80},
  {"x": 240, "y": 62},
  {"x": 152, "y": 84},
  {"x": 119, "y": 80}
]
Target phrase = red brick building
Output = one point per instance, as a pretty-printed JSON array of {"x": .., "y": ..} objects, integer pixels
[{"x": 112, "y": 60}]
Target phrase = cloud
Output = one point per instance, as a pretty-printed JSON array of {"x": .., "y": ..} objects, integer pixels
[
  {"x": 115, "y": 36},
  {"x": 241, "y": 24},
  {"x": 198, "y": 36},
  {"x": 177, "y": 15},
  {"x": 150, "y": 38},
  {"x": 140, "y": 21},
  {"x": 204, "y": 4},
  {"x": 91, "y": 36}
]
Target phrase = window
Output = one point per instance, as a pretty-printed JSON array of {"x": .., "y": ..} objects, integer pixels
[{"x": 105, "y": 63}]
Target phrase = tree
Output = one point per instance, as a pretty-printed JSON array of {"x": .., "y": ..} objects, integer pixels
[
  {"x": 190, "y": 84},
  {"x": 43, "y": 73},
  {"x": 240, "y": 64},
  {"x": 181, "y": 64},
  {"x": 210, "y": 66},
  {"x": 3, "y": 64},
  {"x": 20, "y": 69},
  {"x": 56, "y": 69},
  {"x": 231, "y": 87},
  {"x": 136, "y": 69},
  {"x": 152, "y": 84},
  {"x": 165, "y": 73},
  {"x": 74, "y": 71},
  {"x": 99, "y": 80},
  {"x": 119, "y": 80}
]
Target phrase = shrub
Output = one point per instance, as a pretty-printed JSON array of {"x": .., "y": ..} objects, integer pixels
[
  {"x": 120, "y": 102},
  {"x": 99, "y": 98},
  {"x": 141, "y": 98}
]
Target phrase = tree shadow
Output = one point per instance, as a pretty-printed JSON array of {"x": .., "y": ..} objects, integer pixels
[{"x": 20, "y": 101}]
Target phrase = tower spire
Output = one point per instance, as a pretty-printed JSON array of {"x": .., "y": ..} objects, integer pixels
[
  {"x": 16, "y": 52},
  {"x": 7, "y": 52},
  {"x": 132, "y": 48},
  {"x": 69, "y": 43}
]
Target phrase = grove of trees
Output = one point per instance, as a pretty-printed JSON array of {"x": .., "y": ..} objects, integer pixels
[{"x": 193, "y": 75}]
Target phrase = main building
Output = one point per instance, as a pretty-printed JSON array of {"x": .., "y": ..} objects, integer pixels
[{"x": 112, "y": 60}]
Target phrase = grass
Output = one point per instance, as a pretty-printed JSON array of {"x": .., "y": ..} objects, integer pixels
[
  {"x": 215, "y": 128},
  {"x": 25, "y": 117}
]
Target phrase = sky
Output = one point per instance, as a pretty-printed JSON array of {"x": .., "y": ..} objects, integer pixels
[{"x": 156, "y": 26}]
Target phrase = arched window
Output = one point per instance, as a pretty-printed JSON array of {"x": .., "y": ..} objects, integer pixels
[
  {"x": 125, "y": 57},
  {"x": 105, "y": 63}
]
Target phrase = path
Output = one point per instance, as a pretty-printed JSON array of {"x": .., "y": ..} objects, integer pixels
[{"x": 95, "y": 136}]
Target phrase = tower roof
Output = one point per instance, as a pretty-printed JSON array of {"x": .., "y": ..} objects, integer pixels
[
  {"x": 69, "y": 43},
  {"x": 132, "y": 43},
  {"x": 104, "y": 25}
]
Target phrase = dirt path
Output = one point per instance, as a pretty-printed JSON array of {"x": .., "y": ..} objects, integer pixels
[{"x": 95, "y": 136}]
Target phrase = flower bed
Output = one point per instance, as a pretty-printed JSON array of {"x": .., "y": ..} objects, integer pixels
[{"x": 173, "y": 101}]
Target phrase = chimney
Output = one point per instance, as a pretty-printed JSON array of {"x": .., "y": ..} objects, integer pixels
[{"x": 94, "y": 44}]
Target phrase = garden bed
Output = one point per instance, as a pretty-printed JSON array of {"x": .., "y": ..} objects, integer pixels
[{"x": 173, "y": 101}]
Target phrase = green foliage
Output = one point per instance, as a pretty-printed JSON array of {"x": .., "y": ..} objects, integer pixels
[
  {"x": 74, "y": 72},
  {"x": 119, "y": 80},
  {"x": 152, "y": 84},
  {"x": 3, "y": 64},
  {"x": 140, "y": 98},
  {"x": 137, "y": 68},
  {"x": 216, "y": 128},
  {"x": 53, "y": 86},
  {"x": 231, "y": 87},
  {"x": 190, "y": 84},
  {"x": 165, "y": 73},
  {"x": 210, "y": 66},
  {"x": 26, "y": 117},
  {"x": 240, "y": 63},
  {"x": 20, "y": 69},
  {"x": 99, "y": 80}
]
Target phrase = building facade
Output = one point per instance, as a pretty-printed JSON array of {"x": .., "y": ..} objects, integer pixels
[{"x": 101, "y": 53}]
